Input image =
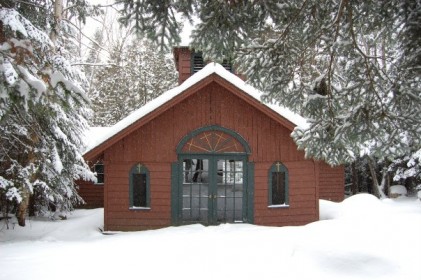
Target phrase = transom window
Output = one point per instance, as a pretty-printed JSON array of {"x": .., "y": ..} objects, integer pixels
[
  {"x": 278, "y": 185},
  {"x": 213, "y": 141},
  {"x": 139, "y": 187}
]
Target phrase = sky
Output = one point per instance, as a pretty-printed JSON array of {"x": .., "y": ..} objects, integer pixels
[{"x": 91, "y": 25}]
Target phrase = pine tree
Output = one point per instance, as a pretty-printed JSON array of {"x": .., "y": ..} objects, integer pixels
[
  {"x": 156, "y": 20},
  {"x": 139, "y": 75},
  {"x": 351, "y": 68},
  {"x": 407, "y": 170},
  {"x": 93, "y": 56},
  {"x": 43, "y": 113}
]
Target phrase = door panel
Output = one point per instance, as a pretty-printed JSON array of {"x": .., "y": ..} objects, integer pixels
[
  {"x": 212, "y": 190},
  {"x": 229, "y": 196},
  {"x": 195, "y": 190}
]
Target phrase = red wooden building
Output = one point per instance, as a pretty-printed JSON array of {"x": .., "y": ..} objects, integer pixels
[{"x": 208, "y": 151}]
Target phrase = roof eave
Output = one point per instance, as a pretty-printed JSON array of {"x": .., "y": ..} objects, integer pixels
[
  {"x": 182, "y": 95},
  {"x": 100, "y": 148}
]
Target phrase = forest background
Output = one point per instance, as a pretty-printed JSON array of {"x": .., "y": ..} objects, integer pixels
[{"x": 351, "y": 68}]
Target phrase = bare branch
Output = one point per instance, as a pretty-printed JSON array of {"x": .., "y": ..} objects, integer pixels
[
  {"x": 295, "y": 18},
  {"x": 94, "y": 64},
  {"x": 87, "y": 37},
  {"x": 29, "y": 3}
]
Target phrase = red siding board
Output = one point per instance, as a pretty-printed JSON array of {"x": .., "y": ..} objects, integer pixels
[
  {"x": 331, "y": 182},
  {"x": 154, "y": 143},
  {"x": 92, "y": 194}
]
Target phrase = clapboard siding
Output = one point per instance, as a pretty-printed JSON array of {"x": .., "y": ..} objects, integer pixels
[
  {"x": 92, "y": 194},
  {"x": 154, "y": 141},
  {"x": 302, "y": 195},
  {"x": 119, "y": 216},
  {"x": 154, "y": 145},
  {"x": 157, "y": 140},
  {"x": 331, "y": 182}
]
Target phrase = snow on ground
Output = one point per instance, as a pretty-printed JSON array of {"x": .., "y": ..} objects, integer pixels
[
  {"x": 360, "y": 238},
  {"x": 398, "y": 190}
]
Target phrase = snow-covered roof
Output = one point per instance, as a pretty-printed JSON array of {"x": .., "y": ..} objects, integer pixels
[
  {"x": 94, "y": 133},
  {"x": 209, "y": 69}
]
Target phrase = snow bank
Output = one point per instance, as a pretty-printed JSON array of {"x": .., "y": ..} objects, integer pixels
[
  {"x": 364, "y": 239},
  {"x": 79, "y": 225},
  {"x": 398, "y": 190}
]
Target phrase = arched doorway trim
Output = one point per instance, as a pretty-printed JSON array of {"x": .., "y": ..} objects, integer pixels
[{"x": 212, "y": 181}]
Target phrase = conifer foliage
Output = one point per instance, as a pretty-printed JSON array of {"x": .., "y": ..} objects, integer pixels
[
  {"x": 156, "y": 20},
  {"x": 43, "y": 115},
  {"x": 139, "y": 73},
  {"x": 352, "y": 68}
]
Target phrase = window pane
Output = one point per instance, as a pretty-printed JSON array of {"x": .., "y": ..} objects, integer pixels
[
  {"x": 100, "y": 178},
  {"x": 200, "y": 171},
  {"x": 188, "y": 170},
  {"x": 99, "y": 170},
  {"x": 278, "y": 188},
  {"x": 139, "y": 190}
]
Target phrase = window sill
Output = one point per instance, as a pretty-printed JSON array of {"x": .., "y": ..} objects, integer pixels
[
  {"x": 279, "y": 206},
  {"x": 99, "y": 184},
  {"x": 139, "y": 208}
]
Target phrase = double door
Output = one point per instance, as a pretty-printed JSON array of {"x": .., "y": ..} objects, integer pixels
[{"x": 213, "y": 189}]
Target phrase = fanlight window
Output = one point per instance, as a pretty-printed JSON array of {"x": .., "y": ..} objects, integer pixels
[{"x": 213, "y": 141}]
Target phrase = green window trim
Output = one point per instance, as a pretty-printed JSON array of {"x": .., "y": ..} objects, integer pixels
[
  {"x": 278, "y": 180},
  {"x": 139, "y": 188}
]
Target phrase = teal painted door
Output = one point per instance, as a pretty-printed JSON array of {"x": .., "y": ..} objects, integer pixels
[{"x": 212, "y": 189}]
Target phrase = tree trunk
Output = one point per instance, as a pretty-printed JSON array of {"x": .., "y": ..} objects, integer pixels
[
  {"x": 354, "y": 186},
  {"x": 58, "y": 13},
  {"x": 2, "y": 35},
  {"x": 23, "y": 207},
  {"x": 385, "y": 184},
  {"x": 31, "y": 206},
  {"x": 377, "y": 189}
]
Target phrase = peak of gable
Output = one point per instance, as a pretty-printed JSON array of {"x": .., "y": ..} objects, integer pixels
[
  {"x": 207, "y": 71},
  {"x": 189, "y": 61}
]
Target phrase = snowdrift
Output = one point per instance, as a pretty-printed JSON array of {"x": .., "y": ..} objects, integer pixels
[{"x": 360, "y": 238}]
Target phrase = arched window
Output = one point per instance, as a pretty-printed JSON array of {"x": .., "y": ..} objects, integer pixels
[
  {"x": 213, "y": 140},
  {"x": 139, "y": 187},
  {"x": 278, "y": 185}
]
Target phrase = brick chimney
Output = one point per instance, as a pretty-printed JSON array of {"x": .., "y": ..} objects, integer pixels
[
  {"x": 188, "y": 61},
  {"x": 184, "y": 62}
]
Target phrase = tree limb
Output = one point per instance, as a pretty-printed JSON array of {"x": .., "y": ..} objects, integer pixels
[{"x": 87, "y": 37}]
